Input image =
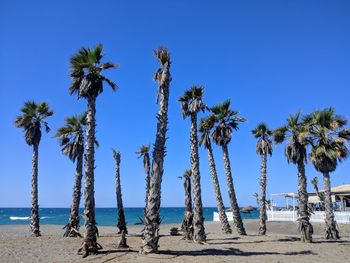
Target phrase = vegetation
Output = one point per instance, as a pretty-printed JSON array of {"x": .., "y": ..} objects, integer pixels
[
  {"x": 191, "y": 103},
  {"x": 320, "y": 195},
  {"x": 187, "y": 223},
  {"x": 33, "y": 116},
  {"x": 205, "y": 127},
  {"x": 121, "y": 216},
  {"x": 263, "y": 148},
  {"x": 296, "y": 133},
  {"x": 226, "y": 121},
  {"x": 71, "y": 139},
  {"x": 87, "y": 83},
  {"x": 152, "y": 217},
  {"x": 329, "y": 147},
  {"x": 144, "y": 152}
]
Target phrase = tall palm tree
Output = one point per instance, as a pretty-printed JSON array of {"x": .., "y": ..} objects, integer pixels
[
  {"x": 263, "y": 148},
  {"x": 33, "y": 116},
  {"x": 226, "y": 120},
  {"x": 191, "y": 103},
  {"x": 144, "y": 152},
  {"x": 152, "y": 218},
  {"x": 205, "y": 127},
  {"x": 295, "y": 132},
  {"x": 329, "y": 147},
  {"x": 121, "y": 215},
  {"x": 187, "y": 223},
  {"x": 71, "y": 138},
  {"x": 87, "y": 83}
]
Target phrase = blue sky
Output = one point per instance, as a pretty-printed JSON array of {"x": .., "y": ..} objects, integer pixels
[{"x": 271, "y": 58}]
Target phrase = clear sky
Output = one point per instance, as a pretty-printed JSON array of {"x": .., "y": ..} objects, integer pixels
[{"x": 271, "y": 58}]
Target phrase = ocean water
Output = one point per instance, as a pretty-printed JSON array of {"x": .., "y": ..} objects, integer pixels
[{"x": 104, "y": 216}]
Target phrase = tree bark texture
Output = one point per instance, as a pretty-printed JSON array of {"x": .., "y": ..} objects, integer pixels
[
  {"x": 187, "y": 223},
  {"x": 331, "y": 227},
  {"x": 198, "y": 219},
  {"x": 121, "y": 216},
  {"x": 90, "y": 245},
  {"x": 147, "y": 166},
  {"x": 34, "y": 218},
  {"x": 225, "y": 226},
  {"x": 152, "y": 217},
  {"x": 305, "y": 227},
  {"x": 72, "y": 228},
  {"x": 237, "y": 220},
  {"x": 262, "y": 205}
]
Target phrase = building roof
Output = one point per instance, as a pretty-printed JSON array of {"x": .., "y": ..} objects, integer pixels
[{"x": 337, "y": 190}]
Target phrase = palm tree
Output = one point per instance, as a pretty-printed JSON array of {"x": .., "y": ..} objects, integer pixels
[
  {"x": 71, "y": 138},
  {"x": 152, "y": 217},
  {"x": 191, "y": 104},
  {"x": 187, "y": 223},
  {"x": 121, "y": 216},
  {"x": 226, "y": 120},
  {"x": 263, "y": 148},
  {"x": 144, "y": 152},
  {"x": 295, "y": 132},
  {"x": 32, "y": 118},
  {"x": 205, "y": 127},
  {"x": 87, "y": 83},
  {"x": 329, "y": 147},
  {"x": 320, "y": 195}
]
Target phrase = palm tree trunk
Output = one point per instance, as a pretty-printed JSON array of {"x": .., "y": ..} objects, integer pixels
[
  {"x": 90, "y": 244},
  {"x": 187, "y": 223},
  {"x": 146, "y": 164},
  {"x": 72, "y": 228},
  {"x": 237, "y": 220},
  {"x": 263, "y": 216},
  {"x": 219, "y": 202},
  {"x": 198, "y": 219},
  {"x": 331, "y": 228},
  {"x": 121, "y": 216},
  {"x": 305, "y": 228},
  {"x": 34, "y": 218},
  {"x": 152, "y": 217}
]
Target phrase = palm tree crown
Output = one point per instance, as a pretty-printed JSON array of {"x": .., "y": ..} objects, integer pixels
[
  {"x": 192, "y": 101},
  {"x": 33, "y": 116},
  {"x": 263, "y": 134},
  {"x": 86, "y": 68},
  {"x": 297, "y": 133},
  {"x": 329, "y": 139},
  {"x": 72, "y": 136},
  {"x": 144, "y": 149},
  {"x": 205, "y": 126},
  {"x": 226, "y": 120}
]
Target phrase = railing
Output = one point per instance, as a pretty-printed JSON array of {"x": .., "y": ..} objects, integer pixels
[{"x": 317, "y": 216}]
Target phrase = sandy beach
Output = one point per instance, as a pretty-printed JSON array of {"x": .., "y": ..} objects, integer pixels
[{"x": 280, "y": 245}]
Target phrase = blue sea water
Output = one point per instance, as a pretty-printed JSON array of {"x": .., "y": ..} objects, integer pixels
[{"x": 104, "y": 216}]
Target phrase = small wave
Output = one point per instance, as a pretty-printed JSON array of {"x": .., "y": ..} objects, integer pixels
[
  {"x": 45, "y": 217},
  {"x": 19, "y": 217}
]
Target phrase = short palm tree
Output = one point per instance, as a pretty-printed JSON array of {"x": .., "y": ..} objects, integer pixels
[
  {"x": 71, "y": 138},
  {"x": 187, "y": 222},
  {"x": 152, "y": 218},
  {"x": 192, "y": 103},
  {"x": 296, "y": 133},
  {"x": 320, "y": 195},
  {"x": 226, "y": 120},
  {"x": 144, "y": 152},
  {"x": 263, "y": 148},
  {"x": 329, "y": 147},
  {"x": 205, "y": 127},
  {"x": 121, "y": 215},
  {"x": 33, "y": 116},
  {"x": 87, "y": 83}
]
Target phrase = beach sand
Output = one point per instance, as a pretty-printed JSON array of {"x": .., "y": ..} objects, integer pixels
[{"x": 280, "y": 245}]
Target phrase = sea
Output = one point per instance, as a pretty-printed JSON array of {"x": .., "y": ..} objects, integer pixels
[{"x": 104, "y": 216}]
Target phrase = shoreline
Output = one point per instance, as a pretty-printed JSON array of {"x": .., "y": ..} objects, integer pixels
[{"x": 279, "y": 245}]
